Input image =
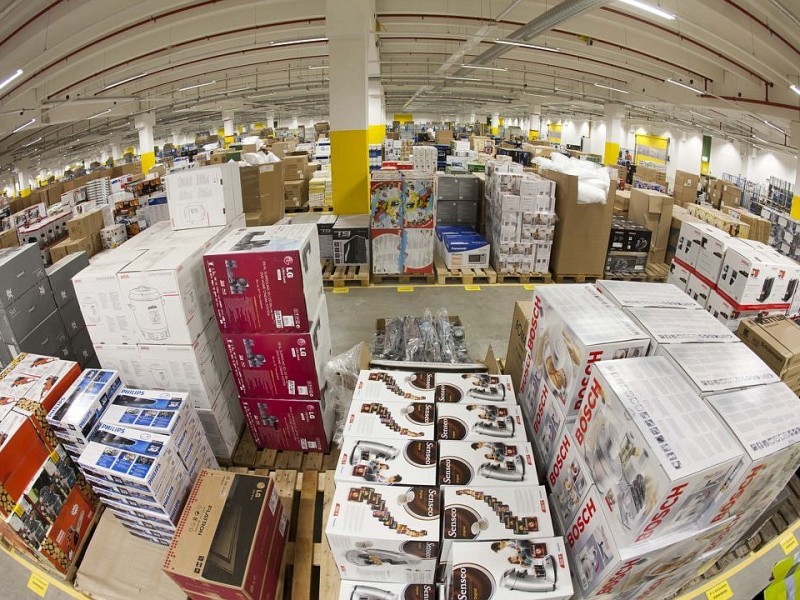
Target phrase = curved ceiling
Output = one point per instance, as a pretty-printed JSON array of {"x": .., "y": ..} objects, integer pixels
[{"x": 89, "y": 67}]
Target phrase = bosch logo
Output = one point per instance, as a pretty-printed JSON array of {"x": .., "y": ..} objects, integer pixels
[
  {"x": 621, "y": 574},
  {"x": 561, "y": 456},
  {"x": 663, "y": 512},
  {"x": 584, "y": 518},
  {"x": 594, "y": 356},
  {"x": 537, "y": 422},
  {"x": 731, "y": 502},
  {"x": 587, "y": 410}
]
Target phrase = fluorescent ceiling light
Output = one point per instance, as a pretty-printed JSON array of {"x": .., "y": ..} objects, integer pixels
[
  {"x": 655, "y": 10},
  {"x": 303, "y": 41},
  {"x": 5, "y": 82},
  {"x": 763, "y": 141},
  {"x": 686, "y": 87},
  {"x": 794, "y": 88},
  {"x": 134, "y": 78},
  {"x": 236, "y": 90},
  {"x": 318, "y": 67},
  {"x": 261, "y": 95},
  {"x": 613, "y": 89},
  {"x": 775, "y": 127},
  {"x": 462, "y": 78},
  {"x": 32, "y": 143},
  {"x": 526, "y": 45},
  {"x": 481, "y": 67},
  {"x": 24, "y": 125},
  {"x": 194, "y": 87},
  {"x": 100, "y": 114}
]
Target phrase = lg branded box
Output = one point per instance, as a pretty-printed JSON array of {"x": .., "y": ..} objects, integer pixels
[
  {"x": 486, "y": 463},
  {"x": 385, "y": 533},
  {"x": 640, "y": 294},
  {"x": 374, "y": 461},
  {"x": 265, "y": 279},
  {"x": 396, "y": 386},
  {"x": 391, "y": 420},
  {"x": 204, "y": 197},
  {"x": 668, "y": 326},
  {"x": 474, "y": 388},
  {"x": 286, "y": 424},
  {"x": 479, "y": 422},
  {"x": 60, "y": 276}
]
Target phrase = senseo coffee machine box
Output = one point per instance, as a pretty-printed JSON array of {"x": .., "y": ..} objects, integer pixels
[
  {"x": 391, "y": 420},
  {"x": 714, "y": 368},
  {"x": 640, "y": 294},
  {"x": 205, "y": 196},
  {"x": 489, "y": 513},
  {"x": 573, "y": 327},
  {"x": 479, "y": 422},
  {"x": 766, "y": 422},
  {"x": 265, "y": 279},
  {"x": 509, "y": 569},
  {"x": 547, "y": 423},
  {"x": 569, "y": 478},
  {"x": 668, "y": 326},
  {"x": 368, "y": 590},
  {"x": 281, "y": 365},
  {"x": 285, "y": 424},
  {"x": 657, "y": 453},
  {"x": 394, "y": 386},
  {"x": 378, "y": 461},
  {"x": 474, "y": 388},
  {"x": 385, "y": 533},
  {"x": 486, "y": 463}
]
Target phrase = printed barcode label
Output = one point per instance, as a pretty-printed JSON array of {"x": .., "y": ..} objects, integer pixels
[
  {"x": 278, "y": 319},
  {"x": 302, "y": 390},
  {"x": 288, "y": 321},
  {"x": 292, "y": 387}
]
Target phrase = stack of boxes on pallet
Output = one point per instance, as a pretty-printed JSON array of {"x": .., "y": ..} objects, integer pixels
[
  {"x": 403, "y": 214},
  {"x": 423, "y": 158},
  {"x": 84, "y": 234},
  {"x": 266, "y": 291},
  {"x": 350, "y": 241},
  {"x": 724, "y": 193},
  {"x": 731, "y": 225},
  {"x": 733, "y": 278},
  {"x": 483, "y": 522},
  {"x": 262, "y": 192},
  {"x": 320, "y": 189},
  {"x": 297, "y": 172},
  {"x": 661, "y": 462},
  {"x": 46, "y": 507},
  {"x": 520, "y": 219},
  {"x": 776, "y": 341},
  {"x": 628, "y": 247},
  {"x": 458, "y": 243}
]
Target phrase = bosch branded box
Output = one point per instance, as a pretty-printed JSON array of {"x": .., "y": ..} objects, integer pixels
[
  {"x": 668, "y": 326},
  {"x": 547, "y": 423},
  {"x": 387, "y": 462},
  {"x": 641, "y": 294},
  {"x": 569, "y": 478},
  {"x": 486, "y": 463}
]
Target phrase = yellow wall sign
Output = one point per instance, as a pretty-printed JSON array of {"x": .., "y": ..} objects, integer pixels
[
  {"x": 554, "y": 133},
  {"x": 403, "y": 118},
  {"x": 651, "y": 149}
]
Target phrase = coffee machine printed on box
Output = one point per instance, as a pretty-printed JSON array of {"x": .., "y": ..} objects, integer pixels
[
  {"x": 640, "y": 294},
  {"x": 511, "y": 569},
  {"x": 486, "y": 463},
  {"x": 391, "y": 420},
  {"x": 657, "y": 453},
  {"x": 569, "y": 478},
  {"x": 397, "y": 386},
  {"x": 368, "y": 590},
  {"x": 385, "y": 533},
  {"x": 376, "y": 461},
  {"x": 479, "y": 422},
  {"x": 547, "y": 422},
  {"x": 474, "y": 388}
]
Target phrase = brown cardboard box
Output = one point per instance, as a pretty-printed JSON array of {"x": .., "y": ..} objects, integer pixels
[
  {"x": 582, "y": 230},
  {"x": 731, "y": 195},
  {"x": 622, "y": 200},
  {"x": 252, "y": 219},
  {"x": 85, "y": 224},
  {"x": 311, "y": 168},
  {"x": 651, "y": 175},
  {"x": 84, "y": 244},
  {"x": 776, "y": 340},
  {"x": 9, "y": 238},
  {"x": 515, "y": 354},
  {"x": 281, "y": 149},
  {"x": 443, "y": 136},
  {"x": 295, "y": 193},
  {"x": 217, "y": 159},
  {"x": 59, "y": 250},
  {"x": 685, "y": 188},
  {"x": 251, "y": 199},
  {"x": 294, "y": 167},
  {"x": 654, "y": 211},
  {"x": 271, "y": 189},
  {"x": 759, "y": 227}
]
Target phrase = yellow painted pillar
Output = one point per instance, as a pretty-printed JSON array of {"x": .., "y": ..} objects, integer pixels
[
  {"x": 145, "y": 123},
  {"x": 794, "y": 131},
  {"x": 148, "y": 161},
  {"x": 495, "y": 124}
]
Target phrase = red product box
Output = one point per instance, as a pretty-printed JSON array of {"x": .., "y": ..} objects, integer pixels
[
  {"x": 281, "y": 365},
  {"x": 23, "y": 451},
  {"x": 68, "y": 530},
  {"x": 37, "y": 379},
  {"x": 289, "y": 424},
  {"x": 265, "y": 279}
]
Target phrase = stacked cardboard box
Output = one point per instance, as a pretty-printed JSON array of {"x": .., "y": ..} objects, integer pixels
[
  {"x": 35, "y": 224},
  {"x": 424, "y": 159},
  {"x": 654, "y": 211},
  {"x": 397, "y": 150},
  {"x": 47, "y": 509},
  {"x": 9, "y": 238},
  {"x": 723, "y": 193},
  {"x": 520, "y": 218},
  {"x": 84, "y": 235},
  {"x": 776, "y": 341},
  {"x": 622, "y": 200},
  {"x": 266, "y": 290},
  {"x": 403, "y": 214},
  {"x": 262, "y": 193},
  {"x": 648, "y": 178},
  {"x": 462, "y": 247},
  {"x": 730, "y": 225},
  {"x": 325, "y": 233},
  {"x": 296, "y": 176},
  {"x": 628, "y": 247},
  {"x": 759, "y": 227},
  {"x": 350, "y": 236},
  {"x": 320, "y": 189},
  {"x": 685, "y": 189},
  {"x": 457, "y": 200}
]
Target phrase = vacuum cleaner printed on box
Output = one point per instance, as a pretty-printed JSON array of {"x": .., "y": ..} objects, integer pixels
[
  {"x": 474, "y": 388},
  {"x": 387, "y": 462},
  {"x": 382, "y": 533},
  {"x": 479, "y": 422},
  {"x": 396, "y": 386},
  {"x": 487, "y": 462},
  {"x": 391, "y": 420},
  {"x": 367, "y": 590}
]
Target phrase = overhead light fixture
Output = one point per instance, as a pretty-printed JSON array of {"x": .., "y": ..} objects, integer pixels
[
  {"x": 24, "y": 125},
  {"x": 129, "y": 79},
  {"x": 793, "y": 87},
  {"x": 194, "y": 87},
  {"x": 482, "y": 68},
  {"x": 303, "y": 41},
  {"x": 11, "y": 78},
  {"x": 318, "y": 67},
  {"x": 686, "y": 87},
  {"x": 100, "y": 114},
  {"x": 32, "y": 143},
  {"x": 763, "y": 141},
  {"x": 775, "y": 127},
  {"x": 236, "y": 90},
  {"x": 654, "y": 10},
  {"x": 613, "y": 89},
  {"x": 453, "y": 77},
  {"x": 526, "y": 45}
]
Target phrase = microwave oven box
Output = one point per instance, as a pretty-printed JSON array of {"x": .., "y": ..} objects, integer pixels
[
  {"x": 376, "y": 461},
  {"x": 488, "y": 462}
]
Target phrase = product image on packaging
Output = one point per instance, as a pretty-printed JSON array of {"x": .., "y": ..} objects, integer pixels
[
  {"x": 476, "y": 422},
  {"x": 474, "y": 388},
  {"x": 569, "y": 478},
  {"x": 485, "y": 463},
  {"x": 395, "y": 385},
  {"x": 391, "y": 420},
  {"x": 375, "y": 461},
  {"x": 356, "y": 590},
  {"x": 148, "y": 308}
]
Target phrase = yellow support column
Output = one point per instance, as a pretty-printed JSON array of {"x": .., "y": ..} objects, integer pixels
[
  {"x": 148, "y": 161},
  {"x": 145, "y": 123},
  {"x": 794, "y": 130}
]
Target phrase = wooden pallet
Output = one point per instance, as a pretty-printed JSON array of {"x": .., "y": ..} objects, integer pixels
[
  {"x": 340, "y": 277},
  {"x": 247, "y": 456},
  {"x": 463, "y": 276},
  {"x": 321, "y": 209},
  {"x": 524, "y": 278},
  {"x": 579, "y": 278},
  {"x": 657, "y": 272},
  {"x": 296, "y": 209},
  {"x": 404, "y": 279},
  {"x": 618, "y": 276}
]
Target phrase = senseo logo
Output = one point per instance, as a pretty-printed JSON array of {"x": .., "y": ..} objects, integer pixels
[
  {"x": 537, "y": 311},
  {"x": 594, "y": 356},
  {"x": 584, "y": 518},
  {"x": 537, "y": 421},
  {"x": 731, "y": 502},
  {"x": 561, "y": 456},
  {"x": 587, "y": 410},
  {"x": 619, "y": 576},
  {"x": 663, "y": 511}
]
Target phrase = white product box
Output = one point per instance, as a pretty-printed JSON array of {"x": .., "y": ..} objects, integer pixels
[
  {"x": 726, "y": 312},
  {"x": 510, "y": 569},
  {"x": 713, "y": 244},
  {"x": 222, "y": 428},
  {"x": 690, "y": 241},
  {"x": 751, "y": 279},
  {"x": 788, "y": 273},
  {"x": 489, "y": 513},
  {"x": 641, "y": 294},
  {"x": 398, "y": 386},
  {"x": 671, "y": 326},
  {"x": 658, "y": 455},
  {"x": 376, "y": 461},
  {"x": 479, "y": 422},
  {"x": 678, "y": 275},
  {"x": 113, "y": 236},
  {"x": 391, "y": 420},
  {"x": 174, "y": 496},
  {"x": 369, "y": 590},
  {"x": 766, "y": 421},
  {"x": 123, "y": 492},
  {"x": 205, "y": 196},
  {"x": 714, "y": 368},
  {"x": 385, "y": 533},
  {"x": 143, "y": 518},
  {"x": 76, "y": 414},
  {"x": 474, "y": 388},
  {"x": 569, "y": 478},
  {"x": 573, "y": 327},
  {"x": 547, "y": 423},
  {"x": 159, "y": 516},
  {"x": 699, "y": 289},
  {"x": 486, "y": 463}
]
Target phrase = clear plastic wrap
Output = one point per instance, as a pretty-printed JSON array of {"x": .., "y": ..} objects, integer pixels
[
  {"x": 341, "y": 374},
  {"x": 425, "y": 339}
]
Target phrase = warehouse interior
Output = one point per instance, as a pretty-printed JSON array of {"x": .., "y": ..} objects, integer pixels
[{"x": 357, "y": 280}]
